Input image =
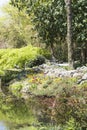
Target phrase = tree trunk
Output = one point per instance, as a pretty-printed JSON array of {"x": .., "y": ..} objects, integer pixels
[
  {"x": 52, "y": 48},
  {"x": 83, "y": 56},
  {"x": 52, "y": 52},
  {"x": 69, "y": 32}
]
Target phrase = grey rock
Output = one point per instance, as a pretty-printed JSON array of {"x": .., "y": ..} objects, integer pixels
[
  {"x": 82, "y": 69},
  {"x": 54, "y": 69},
  {"x": 83, "y": 79},
  {"x": 26, "y": 87},
  {"x": 64, "y": 64},
  {"x": 78, "y": 74}
]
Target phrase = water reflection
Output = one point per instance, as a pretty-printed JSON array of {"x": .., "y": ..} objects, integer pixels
[
  {"x": 20, "y": 114},
  {"x": 2, "y": 126}
]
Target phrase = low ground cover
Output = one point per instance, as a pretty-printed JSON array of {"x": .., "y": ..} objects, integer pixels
[{"x": 40, "y": 84}]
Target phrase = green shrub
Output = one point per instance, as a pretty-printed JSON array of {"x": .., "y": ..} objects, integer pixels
[
  {"x": 44, "y": 53},
  {"x": 9, "y": 75},
  {"x": 37, "y": 61},
  {"x": 2, "y": 73},
  {"x": 20, "y": 57},
  {"x": 71, "y": 125},
  {"x": 15, "y": 88},
  {"x": 77, "y": 64}
]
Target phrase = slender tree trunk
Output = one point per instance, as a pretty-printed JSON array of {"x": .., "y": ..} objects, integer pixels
[
  {"x": 69, "y": 32},
  {"x": 52, "y": 52},
  {"x": 83, "y": 58},
  {"x": 52, "y": 49}
]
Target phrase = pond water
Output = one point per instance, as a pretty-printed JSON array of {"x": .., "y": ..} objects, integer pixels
[
  {"x": 21, "y": 114},
  {"x": 2, "y": 126}
]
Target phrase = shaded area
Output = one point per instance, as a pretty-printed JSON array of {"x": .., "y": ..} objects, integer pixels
[{"x": 19, "y": 114}]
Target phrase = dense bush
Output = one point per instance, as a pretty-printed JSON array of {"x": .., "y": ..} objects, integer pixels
[
  {"x": 44, "y": 53},
  {"x": 19, "y": 57},
  {"x": 37, "y": 61}
]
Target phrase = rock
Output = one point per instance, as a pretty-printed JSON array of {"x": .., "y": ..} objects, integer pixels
[
  {"x": 64, "y": 74},
  {"x": 25, "y": 89},
  {"x": 54, "y": 69},
  {"x": 51, "y": 69},
  {"x": 43, "y": 66},
  {"x": 79, "y": 75},
  {"x": 83, "y": 79},
  {"x": 36, "y": 70},
  {"x": 63, "y": 64},
  {"x": 82, "y": 69}
]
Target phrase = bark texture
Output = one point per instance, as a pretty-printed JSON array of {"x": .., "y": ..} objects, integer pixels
[{"x": 69, "y": 32}]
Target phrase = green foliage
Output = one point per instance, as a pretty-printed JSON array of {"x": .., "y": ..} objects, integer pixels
[
  {"x": 19, "y": 57},
  {"x": 12, "y": 57},
  {"x": 45, "y": 85},
  {"x": 49, "y": 19},
  {"x": 45, "y": 53},
  {"x": 8, "y": 76},
  {"x": 19, "y": 35},
  {"x": 16, "y": 88},
  {"x": 83, "y": 85},
  {"x": 38, "y": 61},
  {"x": 71, "y": 125},
  {"x": 77, "y": 64},
  {"x": 80, "y": 21},
  {"x": 16, "y": 113},
  {"x": 71, "y": 103},
  {"x": 2, "y": 73}
]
